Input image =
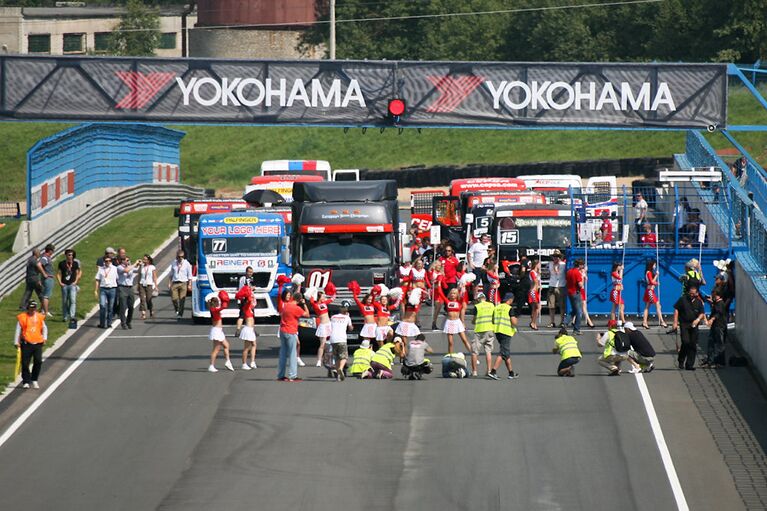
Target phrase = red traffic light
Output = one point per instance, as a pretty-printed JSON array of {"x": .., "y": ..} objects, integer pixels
[{"x": 396, "y": 107}]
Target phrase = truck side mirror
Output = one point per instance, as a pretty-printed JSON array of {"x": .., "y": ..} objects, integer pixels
[
  {"x": 176, "y": 212},
  {"x": 285, "y": 252}
]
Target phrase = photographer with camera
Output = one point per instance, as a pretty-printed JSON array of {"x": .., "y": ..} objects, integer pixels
[{"x": 292, "y": 306}]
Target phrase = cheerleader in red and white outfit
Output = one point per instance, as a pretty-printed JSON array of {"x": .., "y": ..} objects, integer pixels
[
  {"x": 407, "y": 327},
  {"x": 616, "y": 295},
  {"x": 320, "y": 302},
  {"x": 248, "y": 331},
  {"x": 383, "y": 315},
  {"x": 465, "y": 291},
  {"x": 368, "y": 311},
  {"x": 438, "y": 286},
  {"x": 453, "y": 324},
  {"x": 650, "y": 296},
  {"x": 534, "y": 294},
  {"x": 216, "y": 304}
]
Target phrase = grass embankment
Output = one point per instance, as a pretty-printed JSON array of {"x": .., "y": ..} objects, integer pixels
[
  {"x": 7, "y": 237},
  {"x": 139, "y": 232},
  {"x": 226, "y": 157}
]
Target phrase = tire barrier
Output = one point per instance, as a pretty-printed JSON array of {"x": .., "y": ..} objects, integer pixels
[
  {"x": 421, "y": 176},
  {"x": 130, "y": 199}
]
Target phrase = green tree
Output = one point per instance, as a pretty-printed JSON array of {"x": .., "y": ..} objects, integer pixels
[{"x": 138, "y": 33}]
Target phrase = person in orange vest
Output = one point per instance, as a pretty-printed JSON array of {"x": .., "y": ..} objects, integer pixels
[{"x": 31, "y": 334}]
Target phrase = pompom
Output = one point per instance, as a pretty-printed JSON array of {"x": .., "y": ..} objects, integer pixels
[
  {"x": 283, "y": 279},
  {"x": 354, "y": 287},
  {"x": 297, "y": 279},
  {"x": 395, "y": 293},
  {"x": 415, "y": 296},
  {"x": 467, "y": 278},
  {"x": 311, "y": 293},
  {"x": 330, "y": 289},
  {"x": 382, "y": 289}
]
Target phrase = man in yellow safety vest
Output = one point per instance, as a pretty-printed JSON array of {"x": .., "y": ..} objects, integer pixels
[
  {"x": 567, "y": 347},
  {"x": 361, "y": 362},
  {"x": 484, "y": 334},
  {"x": 383, "y": 359},
  {"x": 505, "y": 326}
]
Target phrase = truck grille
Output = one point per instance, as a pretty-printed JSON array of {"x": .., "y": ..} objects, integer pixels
[
  {"x": 343, "y": 293},
  {"x": 231, "y": 280}
]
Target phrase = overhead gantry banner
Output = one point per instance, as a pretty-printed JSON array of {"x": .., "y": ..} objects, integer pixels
[{"x": 357, "y": 93}]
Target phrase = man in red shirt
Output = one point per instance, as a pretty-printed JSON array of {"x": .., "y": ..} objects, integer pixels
[
  {"x": 574, "y": 280},
  {"x": 648, "y": 238},
  {"x": 449, "y": 266},
  {"x": 291, "y": 307},
  {"x": 606, "y": 229}
]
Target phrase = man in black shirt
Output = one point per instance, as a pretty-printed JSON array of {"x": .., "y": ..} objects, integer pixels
[
  {"x": 718, "y": 324},
  {"x": 688, "y": 314},
  {"x": 69, "y": 275},
  {"x": 641, "y": 354}
]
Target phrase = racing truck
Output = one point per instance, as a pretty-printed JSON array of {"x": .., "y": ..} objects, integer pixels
[
  {"x": 343, "y": 232},
  {"x": 230, "y": 242},
  {"x": 531, "y": 231}
]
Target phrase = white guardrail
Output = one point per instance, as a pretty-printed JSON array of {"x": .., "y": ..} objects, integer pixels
[{"x": 130, "y": 199}]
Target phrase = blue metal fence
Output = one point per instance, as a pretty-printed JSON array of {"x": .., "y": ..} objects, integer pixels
[{"x": 95, "y": 155}]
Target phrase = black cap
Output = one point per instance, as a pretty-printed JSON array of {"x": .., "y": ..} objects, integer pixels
[{"x": 31, "y": 304}]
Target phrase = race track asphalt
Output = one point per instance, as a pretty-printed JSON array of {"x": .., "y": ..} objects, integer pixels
[{"x": 142, "y": 425}]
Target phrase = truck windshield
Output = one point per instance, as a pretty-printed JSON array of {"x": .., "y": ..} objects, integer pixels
[
  {"x": 239, "y": 246},
  {"x": 346, "y": 250},
  {"x": 513, "y": 233}
]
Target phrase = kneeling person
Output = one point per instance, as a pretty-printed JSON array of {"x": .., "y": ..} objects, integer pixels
[
  {"x": 361, "y": 361},
  {"x": 416, "y": 364},
  {"x": 382, "y": 360},
  {"x": 641, "y": 354},
  {"x": 567, "y": 347}
]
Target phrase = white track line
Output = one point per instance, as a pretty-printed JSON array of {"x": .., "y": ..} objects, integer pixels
[
  {"x": 668, "y": 463},
  {"x": 61, "y": 379}
]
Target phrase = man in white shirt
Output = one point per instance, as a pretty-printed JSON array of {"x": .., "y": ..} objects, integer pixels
[
  {"x": 640, "y": 214},
  {"x": 557, "y": 288},
  {"x": 478, "y": 252},
  {"x": 340, "y": 324},
  {"x": 106, "y": 291},
  {"x": 126, "y": 273},
  {"x": 180, "y": 282}
]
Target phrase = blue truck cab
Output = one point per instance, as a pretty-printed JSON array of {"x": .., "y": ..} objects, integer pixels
[{"x": 230, "y": 242}]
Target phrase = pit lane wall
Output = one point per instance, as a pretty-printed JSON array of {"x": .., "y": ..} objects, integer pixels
[{"x": 70, "y": 171}]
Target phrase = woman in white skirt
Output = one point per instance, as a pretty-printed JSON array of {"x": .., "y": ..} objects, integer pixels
[
  {"x": 453, "y": 325},
  {"x": 248, "y": 331},
  {"x": 320, "y": 303},
  {"x": 407, "y": 327},
  {"x": 383, "y": 315},
  {"x": 368, "y": 311},
  {"x": 216, "y": 304}
]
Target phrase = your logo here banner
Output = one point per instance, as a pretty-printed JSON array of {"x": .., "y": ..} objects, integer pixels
[{"x": 349, "y": 93}]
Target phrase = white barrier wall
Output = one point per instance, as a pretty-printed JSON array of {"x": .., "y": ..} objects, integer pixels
[{"x": 750, "y": 323}]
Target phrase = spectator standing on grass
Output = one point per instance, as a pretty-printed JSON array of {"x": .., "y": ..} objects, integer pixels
[
  {"x": 33, "y": 279},
  {"x": 147, "y": 285},
  {"x": 31, "y": 334},
  {"x": 69, "y": 275},
  {"x": 46, "y": 263},
  {"x": 557, "y": 288},
  {"x": 180, "y": 282},
  {"x": 108, "y": 252},
  {"x": 106, "y": 291},
  {"x": 126, "y": 275},
  {"x": 574, "y": 281}
]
